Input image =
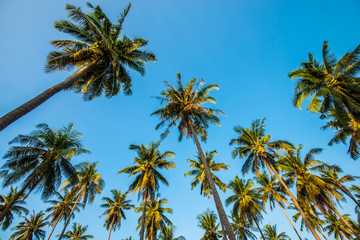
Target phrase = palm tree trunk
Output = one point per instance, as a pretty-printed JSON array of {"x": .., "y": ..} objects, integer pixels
[
  {"x": 111, "y": 226},
  {"x": 71, "y": 213},
  {"x": 27, "y": 107},
  {"x": 257, "y": 225},
  {"x": 220, "y": 209},
  {"x": 289, "y": 219},
  {"x": 346, "y": 222},
  {"x": 52, "y": 230},
  {"x": 295, "y": 202},
  {"x": 16, "y": 197},
  {"x": 283, "y": 208},
  {"x": 142, "y": 230}
]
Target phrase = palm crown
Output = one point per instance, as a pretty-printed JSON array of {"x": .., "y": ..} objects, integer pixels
[
  {"x": 184, "y": 108},
  {"x": 208, "y": 222},
  {"x": 30, "y": 228},
  {"x": 77, "y": 233},
  {"x": 98, "y": 39},
  {"x": 199, "y": 173}
]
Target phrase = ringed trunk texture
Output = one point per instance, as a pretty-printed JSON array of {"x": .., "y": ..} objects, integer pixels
[
  {"x": 27, "y": 107},
  {"x": 52, "y": 230},
  {"x": 142, "y": 230},
  {"x": 295, "y": 202},
  {"x": 16, "y": 197},
  {"x": 111, "y": 226},
  {"x": 220, "y": 209},
  {"x": 71, "y": 213}
]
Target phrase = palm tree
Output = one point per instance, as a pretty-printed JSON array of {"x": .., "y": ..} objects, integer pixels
[
  {"x": 115, "y": 209},
  {"x": 258, "y": 150},
  {"x": 30, "y": 228},
  {"x": 270, "y": 233},
  {"x": 155, "y": 218},
  {"x": 336, "y": 227},
  {"x": 16, "y": 208},
  {"x": 184, "y": 109},
  {"x": 199, "y": 173},
  {"x": 272, "y": 191},
  {"x": 77, "y": 233},
  {"x": 89, "y": 185},
  {"x": 329, "y": 84},
  {"x": 331, "y": 176},
  {"x": 309, "y": 186},
  {"x": 247, "y": 200},
  {"x": 148, "y": 178},
  {"x": 346, "y": 127},
  {"x": 242, "y": 227},
  {"x": 61, "y": 209},
  {"x": 99, "y": 55},
  {"x": 43, "y": 156},
  {"x": 168, "y": 233},
  {"x": 207, "y": 222}
]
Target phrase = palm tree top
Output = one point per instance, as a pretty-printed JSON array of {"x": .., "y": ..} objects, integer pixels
[
  {"x": 98, "y": 40},
  {"x": 77, "y": 233},
  {"x": 184, "y": 106}
]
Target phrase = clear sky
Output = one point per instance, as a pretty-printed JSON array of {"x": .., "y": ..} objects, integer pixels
[{"x": 247, "y": 47}]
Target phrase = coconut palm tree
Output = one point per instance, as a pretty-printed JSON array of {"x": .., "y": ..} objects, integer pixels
[
  {"x": 333, "y": 83},
  {"x": 184, "y": 109},
  {"x": 259, "y": 151},
  {"x": 242, "y": 227},
  {"x": 346, "y": 127},
  {"x": 331, "y": 176},
  {"x": 309, "y": 186},
  {"x": 97, "y": 52},
  {"x": 155, "y": 218},
  {"x": 89, "y": 185},
  {"x": 77, "y": 233},
  {"x": 207, "y": 222},
  {"x": 272, "y": 191},
  {"x": 30, "y": 228},
  {"x": 16, "y": 208},
  {"x": 148, "y": 178},
  {"x": 246, "y": 200},
  {"x": 168, "y": 233},
  {"x": 42, "y": 158},
  {"x": 61, "y": 209},
  {"x": 336, "y": 227},
  {"x": 270, "y": 233},
  {"x": 199, "y": 173},
  {"x": 115, "y": 207}
]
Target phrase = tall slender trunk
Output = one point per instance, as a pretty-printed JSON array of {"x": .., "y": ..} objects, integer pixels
[
  {"x": 52, "y": 230},
  {"x": 142, "y": 230},
  {"x": 111, "y": 226},
  {"x": 71, "y": 213},
  {"x": 27, "y": 107},
  {"x": 289, "y": 219},
  {"x": 283, "y": 210},
  {"x": 346, "y": 222},
  {"x": 220, "y": 209},
  {"x": 257, "y": 225},
  {"x": 308, "y": 224},
  {"x": 16, "y": 197}
]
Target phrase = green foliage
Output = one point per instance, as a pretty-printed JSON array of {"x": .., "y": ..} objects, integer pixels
[
  {"x": 199, "y": 173},
  {"x": 270, "y": 233},
  {"x": 77, "y": 233},
  {"x": 30, "y": 228},
  {"x": 208, "y": 222}
]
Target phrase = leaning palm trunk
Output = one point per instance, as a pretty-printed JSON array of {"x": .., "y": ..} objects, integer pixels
[
  {"x": 283, "y": 210},
  {"x": 257, "y": 225},
  {"x": 27, "y": 107},
  {"x": 142, "y": 230},
  {"x": 220, "y": 209},
  {"x": 52, "y": 230},
  {"x": 71, "y": 213},
  {"x": 308, "y": 224},
  {"x": 111, "y": 226},
  {"x": 16, "y": 197}
]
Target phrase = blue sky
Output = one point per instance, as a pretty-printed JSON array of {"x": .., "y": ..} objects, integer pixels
[{"x": 247, "y": 47}]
